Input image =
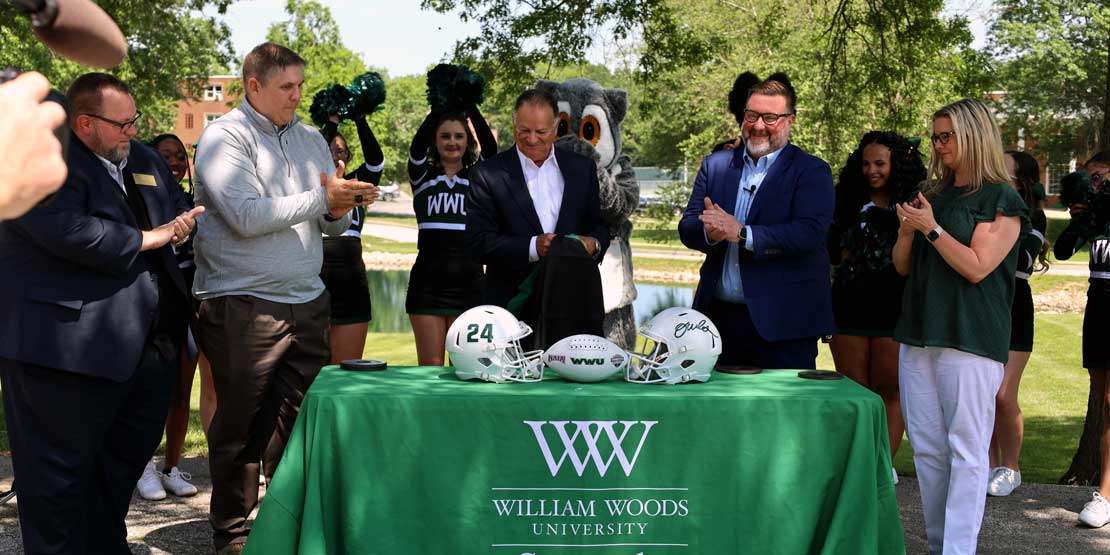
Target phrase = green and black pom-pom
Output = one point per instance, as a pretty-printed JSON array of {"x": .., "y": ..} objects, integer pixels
[
  {"x": 367, "y": 94},
  {"x": 332, "y": 101},
  {"x": 454, "y": 88}
]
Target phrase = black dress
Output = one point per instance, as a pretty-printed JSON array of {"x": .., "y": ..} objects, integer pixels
[
  {"x": 1096, "y": 317},
  {"x": 444, "y": 280},
  {"x": 343, "y": 271},
  {"x": 867, "y": 290}
]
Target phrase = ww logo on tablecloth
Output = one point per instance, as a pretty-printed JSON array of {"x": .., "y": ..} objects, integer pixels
[{"x": 594, "y": 434}]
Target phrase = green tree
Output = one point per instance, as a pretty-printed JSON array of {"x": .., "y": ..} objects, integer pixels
[
  {"x": 519, "y": 36},
  {"x": 173, "y": 48},
  {"x": 1054, "y": 65},
  {"x": 856, "y": 65}
]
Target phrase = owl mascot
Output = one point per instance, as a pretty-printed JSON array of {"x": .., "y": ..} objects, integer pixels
[{"x": 590, "y": 124}]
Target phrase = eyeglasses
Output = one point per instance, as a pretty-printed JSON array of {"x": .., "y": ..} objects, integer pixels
[
  {"x": 769, "y": 119},
  {"x": 122, "y": 125},
  {"x": 943, "y": 137}
]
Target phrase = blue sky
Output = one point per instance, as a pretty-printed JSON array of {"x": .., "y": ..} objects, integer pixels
[{"x": 400, "y": 37}]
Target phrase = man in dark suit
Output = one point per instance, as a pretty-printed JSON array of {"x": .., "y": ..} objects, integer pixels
[
  {"x": 93, "y": 312},
  {"x": 761, "y": 214},
  {"x": 522, "y": 198}
]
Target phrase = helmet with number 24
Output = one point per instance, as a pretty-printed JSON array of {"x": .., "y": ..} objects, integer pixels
[{"x": 484, "y": 344}]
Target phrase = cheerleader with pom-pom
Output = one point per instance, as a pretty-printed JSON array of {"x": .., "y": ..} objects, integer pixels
[
  {"x": 343, "y": 271},
  {"x": 444, "y": 282}
]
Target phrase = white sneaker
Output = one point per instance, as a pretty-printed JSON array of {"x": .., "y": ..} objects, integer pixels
[
  {"x": 178, "y": 483},
  {"x": 1096, "y": 513},
  {"x": 895, "y": 474},
  {"x": 1003, "y": 481},
  {"x": 150, "y": 485}
]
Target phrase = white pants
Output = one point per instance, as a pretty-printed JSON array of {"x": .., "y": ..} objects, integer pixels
[{"x": 948, "y": 405}]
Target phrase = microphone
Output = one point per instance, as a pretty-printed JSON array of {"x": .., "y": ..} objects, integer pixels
[{"x": 76, "y": 29}]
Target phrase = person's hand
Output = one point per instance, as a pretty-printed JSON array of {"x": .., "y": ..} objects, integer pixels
[
  {"x": 159, "y": 236},
  {"x": 184, "y": 224},
  {"x": 590, "y": 243},
  {"x": 719, "y": 225},
  {"x": 175, "y": 231},
  {"x": 1077, "y": 209},
  {"x": 345, "y": 194},
  {"x": 919, "y": 217},
  {"x": 731, "y": 144},
  {"x": 543, "y": 243},
  {"x": 333, "y": 118},
  {"x": 33, "y": 166}
]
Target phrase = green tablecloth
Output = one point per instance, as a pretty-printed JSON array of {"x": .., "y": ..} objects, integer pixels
[{"x": 412, "y": 461}]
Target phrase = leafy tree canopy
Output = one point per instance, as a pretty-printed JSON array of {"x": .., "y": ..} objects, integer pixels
[
  {"x": 171, "y": 44},
  {"x": 1054, "y": 58}
]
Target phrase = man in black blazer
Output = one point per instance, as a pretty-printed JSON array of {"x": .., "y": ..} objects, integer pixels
[
  {"x": 93, "y": 312},
  {"x": 522, "y": 198}
]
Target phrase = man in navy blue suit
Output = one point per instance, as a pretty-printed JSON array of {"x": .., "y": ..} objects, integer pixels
[
  {"x": 522, "y": 198},
  {"x": 93, "y": 312},
  {"x": 761, "y": 214}
]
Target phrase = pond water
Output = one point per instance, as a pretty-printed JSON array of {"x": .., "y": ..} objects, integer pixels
[{"x": 387, "y": 291}]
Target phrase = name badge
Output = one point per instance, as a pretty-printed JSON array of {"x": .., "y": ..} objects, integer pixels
[{"x": 145, "y": 179}]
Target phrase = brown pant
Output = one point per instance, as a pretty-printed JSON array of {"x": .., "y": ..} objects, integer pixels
[{"x": 264, "y": 356}]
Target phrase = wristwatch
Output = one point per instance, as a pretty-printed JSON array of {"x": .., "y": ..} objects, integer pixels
[
  {"x": 934, "y": 234},
  {"x": 743, "y": 235}
]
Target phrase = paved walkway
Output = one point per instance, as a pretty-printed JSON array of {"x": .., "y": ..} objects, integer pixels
[
  {"x": 407, "y": 234},
  {"x": 1037, "y": 519}
]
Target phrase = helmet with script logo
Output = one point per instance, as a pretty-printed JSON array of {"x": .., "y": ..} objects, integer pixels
[
  {"x": 677, "y": 345},
  {"x": 585, "y": 358},
  {"x": 484, "y": 344}
]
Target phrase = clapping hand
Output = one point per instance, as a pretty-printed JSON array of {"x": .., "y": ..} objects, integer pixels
[
  {"x": 719, "y": 225},
  {"x": 917, "y": 215},
  {"x": 344, "y": 194}
]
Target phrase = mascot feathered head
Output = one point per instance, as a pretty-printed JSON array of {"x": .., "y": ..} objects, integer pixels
[{"x": 590, "y": 112}]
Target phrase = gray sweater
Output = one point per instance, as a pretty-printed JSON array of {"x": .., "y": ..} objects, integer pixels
[{"x": 260, "y": 234}]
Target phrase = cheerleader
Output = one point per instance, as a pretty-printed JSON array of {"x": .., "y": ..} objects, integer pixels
[
  {"x": 1009, "y": 427},
  {"x": 1096, "y": 320},
  {"x": 885, "y": 169},
  {"x": 444, "y": 282},
  {"x": 343, "y": 271}
]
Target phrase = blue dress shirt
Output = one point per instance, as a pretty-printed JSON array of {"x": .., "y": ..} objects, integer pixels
[{"x": 730, "y": 288}]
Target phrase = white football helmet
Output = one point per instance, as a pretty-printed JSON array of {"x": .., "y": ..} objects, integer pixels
[
  {"x": 484, "y": 344},
  {"x": 678, "y": 345}
]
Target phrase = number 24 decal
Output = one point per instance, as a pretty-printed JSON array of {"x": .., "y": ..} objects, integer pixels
[{"x": 472, "y": 334}]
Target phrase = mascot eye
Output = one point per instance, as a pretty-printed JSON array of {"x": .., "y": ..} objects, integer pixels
[
  {"x": 564, "y": 124},
  {"x": 590, "y": 129}
]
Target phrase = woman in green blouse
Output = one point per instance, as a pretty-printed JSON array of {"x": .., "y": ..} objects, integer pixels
[{"x": 957, "y": 247}]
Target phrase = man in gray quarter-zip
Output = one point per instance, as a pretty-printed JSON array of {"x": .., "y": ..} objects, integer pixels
[{"x": 270, "y": 189}]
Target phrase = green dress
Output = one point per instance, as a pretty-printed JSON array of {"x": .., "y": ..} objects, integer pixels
[{"x": 940, "y": 308}]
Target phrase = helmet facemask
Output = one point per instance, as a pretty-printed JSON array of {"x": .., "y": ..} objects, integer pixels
[{"x": 648, "y": 364}]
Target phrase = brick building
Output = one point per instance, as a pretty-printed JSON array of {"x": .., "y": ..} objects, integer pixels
[{"x": 193, "y": 114}]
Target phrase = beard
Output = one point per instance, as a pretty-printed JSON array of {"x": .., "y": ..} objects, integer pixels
[
  {"x": 114, "y": 153},
  {"x": 761, "y": 143}
]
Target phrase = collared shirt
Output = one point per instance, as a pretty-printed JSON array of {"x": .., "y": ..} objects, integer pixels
[
  {"x": 729, "y": 287},
  {"x": 545, "y": 186},
  {"x": 114, "y": 170}
]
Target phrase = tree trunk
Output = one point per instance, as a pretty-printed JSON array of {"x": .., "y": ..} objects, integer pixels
[
  {"x": 1087, "y": 461},
  {"x": 1104, "y": 137}
]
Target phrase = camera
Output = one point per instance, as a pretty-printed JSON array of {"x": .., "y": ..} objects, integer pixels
[{"x": 1076, "y": 189}]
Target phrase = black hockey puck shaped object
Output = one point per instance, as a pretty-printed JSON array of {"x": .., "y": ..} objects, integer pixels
[
  {"x": 362, "y": 365},
  {"x": 738, "y": 369},
  {"x": 820, "y": 375}
]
